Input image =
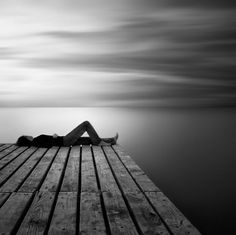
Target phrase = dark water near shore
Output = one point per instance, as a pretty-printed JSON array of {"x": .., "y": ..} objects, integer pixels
[{"x": 189, "y": 154}]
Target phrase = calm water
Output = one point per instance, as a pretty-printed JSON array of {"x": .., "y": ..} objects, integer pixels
[{"x": 189, "y": 154}]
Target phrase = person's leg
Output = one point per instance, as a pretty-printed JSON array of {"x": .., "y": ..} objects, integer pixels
[
  {"x": 72, "y": 136},
  {"x": 76, "y": 133},
  {"x": 93, "y": 134},
  {"x": 83, "y": 141},
  {"x": 109, "y": 141}
]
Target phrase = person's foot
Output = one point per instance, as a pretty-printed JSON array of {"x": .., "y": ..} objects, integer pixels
[
  {"x": 113, "y": 141},
  {"x": 116, "y": 137},
  {"x": 102, "y": 143}
]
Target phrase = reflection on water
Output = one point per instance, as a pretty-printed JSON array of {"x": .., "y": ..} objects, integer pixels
[{"x": 189, "y": 154}]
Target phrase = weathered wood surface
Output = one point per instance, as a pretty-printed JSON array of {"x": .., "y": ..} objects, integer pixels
[
  {"x": 82, "y": 190},
  {"x": 175, "y": 220},
  {"x": 119, "y": 218},
  {"x": 51, "y": 182},
  {"x": 22, "y": 173},
  {"x": 71, "y": 177},
  {"x": 88, "y": 179},
  {"x": 12, "y": 211},
  {"x": 7, "y": 150},
  {"x": 35, "y": 178},
  {"x": 3, "y": 197},
  {"x": 91, "y": 217},
  {"x": 9, "y": 156},
  {"x": 7, "y": 171},
  {"x": 64, "y": 216},
  {"x": 4, "y": 146},
  {"x": 36, "y": 219}
]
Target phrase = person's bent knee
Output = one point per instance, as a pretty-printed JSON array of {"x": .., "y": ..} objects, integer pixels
[{"x": 86, "y": 123}]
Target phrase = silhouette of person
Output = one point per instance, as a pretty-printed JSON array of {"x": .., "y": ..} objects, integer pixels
[{"x": 72, "y": 138}]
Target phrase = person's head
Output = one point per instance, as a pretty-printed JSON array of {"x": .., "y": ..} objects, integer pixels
[{"x": 24, "y": 140}]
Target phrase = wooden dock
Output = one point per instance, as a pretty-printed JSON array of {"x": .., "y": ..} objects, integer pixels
[{"x": 81, "y": 190}]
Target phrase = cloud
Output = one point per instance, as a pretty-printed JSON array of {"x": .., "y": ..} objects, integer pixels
[
  {"x": 182, "y": 44},
  {"x": 155, "y": 52},
  {"x": 7, "y": 53},
  {"x": 209, "y": 4}
]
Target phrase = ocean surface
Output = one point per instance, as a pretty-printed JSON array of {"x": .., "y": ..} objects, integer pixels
[{"x": 189, "y": 153}]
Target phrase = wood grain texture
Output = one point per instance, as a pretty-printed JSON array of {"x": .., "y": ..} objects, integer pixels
[
  {"x": 175, "y": 220},
  {"x": 91, "y": 217},
  {"x": 13, "y": 166},
  {"x": 36, "y": 219},
  {"x": 88, "y": 177},
  {"x": 107, "y": 181},
  {"x": 64, "y": 216},
  {"x": 11, "y": 156},
  {"x": 12, "y": 210},
  {"x": 147, "y": 219},
  {"x": 34, "y": 179},
  {"x": 52, "y": 179},
  {"x": 118, "y": 215},
  {"x": 125, "y": 180},
  {"x": 4, "y": 146},
  {"x": 137, "y": 173},
  {"x": 71, "y": 177},
  {"x": 7, "y": 151},
  {"x": 17, "y": 178},
  {"x": 3, "y": 197}
]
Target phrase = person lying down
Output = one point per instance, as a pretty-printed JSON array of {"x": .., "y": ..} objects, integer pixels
[{"x": 72, "y": 138}]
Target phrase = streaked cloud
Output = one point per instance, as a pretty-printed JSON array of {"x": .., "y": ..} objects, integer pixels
[{"x": 125, "y": 53}]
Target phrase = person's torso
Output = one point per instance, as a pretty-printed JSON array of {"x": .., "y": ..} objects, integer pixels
[{"x": 47, "y": 141}]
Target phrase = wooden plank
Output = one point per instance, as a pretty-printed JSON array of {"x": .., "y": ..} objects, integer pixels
[
  {"x": 34, "y": 179},
  {"x": 13, "y": 166},
  {"x": 54, "y": 174},
  {"x": 4, "y": 146},
  {"x": 16, "y": 179},
  {"x": 36, "y": 219},
  {"x": 3, "y": 197},
  {"x": 176, "y": 221},
  {"x": 119, "y": 219},
  {"x": 106, "y": 178},
  {"x": 64, "y": 216},
  {"x": 137, "y": 173},
  {"x": 7, "y": 151},
  {"x": 88, "y": 177},
  {"x": 11, "y": 156},
  {"x": 148, "y": 220},
  {"x": 125, "y": 180},
  {"x": 91, "y": 217},
  {"x": 71, "y": 177},
  {"x": 11, "y": 211}
]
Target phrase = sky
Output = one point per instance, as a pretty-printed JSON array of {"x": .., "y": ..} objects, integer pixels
[{"x": 117, "y": 53}]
